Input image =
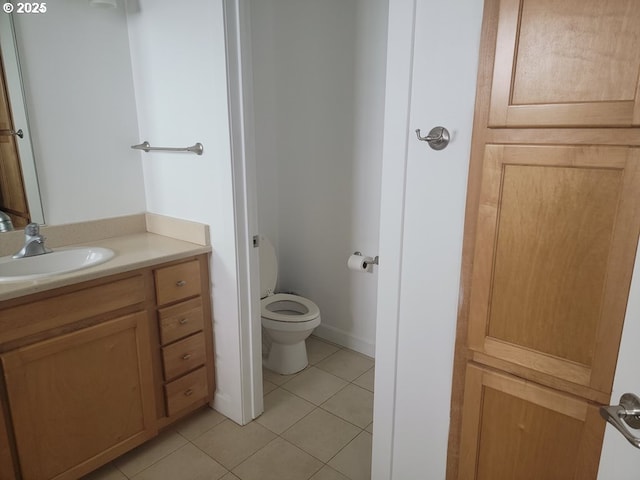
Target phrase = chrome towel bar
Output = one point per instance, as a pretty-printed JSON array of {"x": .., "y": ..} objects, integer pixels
[{"x": 197, "y": 148}]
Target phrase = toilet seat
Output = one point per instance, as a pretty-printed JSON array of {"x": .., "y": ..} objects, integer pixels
[{"x": 299, "y": 309}]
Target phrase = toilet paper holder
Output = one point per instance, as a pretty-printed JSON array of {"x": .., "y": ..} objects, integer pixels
[{"x": 374, "y": 262}]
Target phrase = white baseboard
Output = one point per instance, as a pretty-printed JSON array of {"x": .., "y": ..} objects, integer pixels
[{"x": 345, "y": 339}]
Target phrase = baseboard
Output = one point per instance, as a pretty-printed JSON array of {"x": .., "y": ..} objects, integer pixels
[{"x": 345, "y": 339}]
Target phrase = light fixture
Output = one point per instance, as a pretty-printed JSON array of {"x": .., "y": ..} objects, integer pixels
[{"x": 103, "y": 3}]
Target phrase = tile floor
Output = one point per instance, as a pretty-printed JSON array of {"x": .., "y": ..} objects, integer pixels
[{"x": 317, "y": 425}]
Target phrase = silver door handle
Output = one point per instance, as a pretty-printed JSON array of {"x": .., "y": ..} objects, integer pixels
[{"x": 627, "y": 413}]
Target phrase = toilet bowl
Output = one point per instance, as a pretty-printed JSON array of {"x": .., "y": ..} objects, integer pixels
[{"x": 287, "y": 320}]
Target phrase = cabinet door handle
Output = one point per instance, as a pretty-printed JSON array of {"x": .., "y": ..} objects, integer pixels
[
  {"x": 188, "y": 393},
  {"x": 181, "y": 283},
  {"x": 186, "y": 356},
  {"x": 182, "y": 321}
]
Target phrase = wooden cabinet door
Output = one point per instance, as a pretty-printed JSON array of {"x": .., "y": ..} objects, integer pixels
[
  {"x": 528, "y": 432},
  {"x": 81, "y": 399},
  {"x": 566, "y": 63},
  {"x": 6, "y": 460},
  {"x": 556, "y": 236}
]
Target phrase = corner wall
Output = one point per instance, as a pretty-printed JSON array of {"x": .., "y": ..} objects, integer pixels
[{"x": 179, "y": 70}]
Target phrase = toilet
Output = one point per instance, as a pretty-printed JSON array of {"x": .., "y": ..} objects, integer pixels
[{"x": 287, "y": 320}]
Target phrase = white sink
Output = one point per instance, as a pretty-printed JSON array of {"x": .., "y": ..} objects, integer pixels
[{"x": 54, "y": 263}]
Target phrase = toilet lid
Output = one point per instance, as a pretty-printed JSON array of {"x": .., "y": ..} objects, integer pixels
[{"x": 268, "y": 267}]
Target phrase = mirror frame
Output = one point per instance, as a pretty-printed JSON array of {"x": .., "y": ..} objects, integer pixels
[{"x": 17, "y": 100}]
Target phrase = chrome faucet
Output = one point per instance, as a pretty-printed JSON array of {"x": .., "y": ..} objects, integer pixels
[{"x": 33, "y": 242}]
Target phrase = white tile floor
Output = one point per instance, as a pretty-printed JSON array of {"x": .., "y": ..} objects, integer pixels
[{"x": 317, "y": 425}]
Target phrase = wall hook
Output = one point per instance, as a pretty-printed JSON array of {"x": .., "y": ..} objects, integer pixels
[{"x": 438, "y": 137}]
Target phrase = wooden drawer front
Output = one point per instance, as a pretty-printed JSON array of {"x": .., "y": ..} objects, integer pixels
[
  {"x": 180, "y": 320},
  {"x": 49, "y": 313},
  {"x": 182, "y": 356},
  {"x": 177, "y": 282},
  {"x": 186, "y": 390}
]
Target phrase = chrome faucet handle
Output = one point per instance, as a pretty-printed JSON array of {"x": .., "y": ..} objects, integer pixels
[
  {"x": 32, "y": 229},
  {"x": 33, "y": 242}
]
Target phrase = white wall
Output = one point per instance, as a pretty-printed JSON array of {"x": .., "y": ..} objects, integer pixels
[
  {"x": 431, "y": 78},
  {"x": 179, "y": 70},
  {"x": 79, "y": 89},
  {"x": 319, "y": 91},
  {"x": 620, "y": 460}
]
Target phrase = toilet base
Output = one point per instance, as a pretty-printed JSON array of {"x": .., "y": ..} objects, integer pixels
[{"x": 286, "y": 359}]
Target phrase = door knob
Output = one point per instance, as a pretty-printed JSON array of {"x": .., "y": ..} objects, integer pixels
[{"x": 623, "y": 415}]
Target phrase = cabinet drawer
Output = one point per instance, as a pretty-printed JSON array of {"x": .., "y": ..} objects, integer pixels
[
  {"x": 182, "y": 356},
  {"x": 56, "y": 311},
  {"x": 177, "y": 282},
  {"x": 180, "y": 320},
  {"x": 186, "y": 390}
]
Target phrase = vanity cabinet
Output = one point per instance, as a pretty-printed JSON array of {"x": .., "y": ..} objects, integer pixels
[
  {"x": 185, "y": 338},
  {"x": 89, "y": 371}
]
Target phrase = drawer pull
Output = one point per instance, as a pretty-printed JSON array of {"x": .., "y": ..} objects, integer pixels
[
  {"x": 183, "y": 321},
  {"x": 188, "y": 393},
  {"x": 186, "y": 356},
  {"x": 181, "y": 283}
]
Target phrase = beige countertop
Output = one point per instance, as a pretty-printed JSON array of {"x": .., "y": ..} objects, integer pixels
[{"x": 133, "y": 251}]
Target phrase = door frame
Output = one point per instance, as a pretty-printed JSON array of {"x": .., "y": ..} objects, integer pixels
[
  {"x": 241, "y": 126},
  {"x": 395, "y": 156},
  {"x": 238, "y": 38}
]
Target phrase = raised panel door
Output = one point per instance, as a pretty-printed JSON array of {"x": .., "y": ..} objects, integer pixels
[
  {"x": 556, "y": 236},
  {"x": 566, "y": 63},
  {"x": 514, "y": 429}
]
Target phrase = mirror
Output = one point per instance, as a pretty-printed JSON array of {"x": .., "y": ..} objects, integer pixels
[{"x": 19, "y": 192}]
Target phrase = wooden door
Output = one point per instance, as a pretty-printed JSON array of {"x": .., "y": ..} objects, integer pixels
[
  {"x": 515, "y": 429},
  {"x": 80, "y": 400},
  {"x": 566, "y": 63},
  {"x": 551, "y": 230},
  {"x": 13, "y": 199},
  {"x": 556, "y": 238}
]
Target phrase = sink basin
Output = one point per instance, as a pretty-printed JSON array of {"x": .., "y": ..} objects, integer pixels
[{"x": 54, "y": 263}]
